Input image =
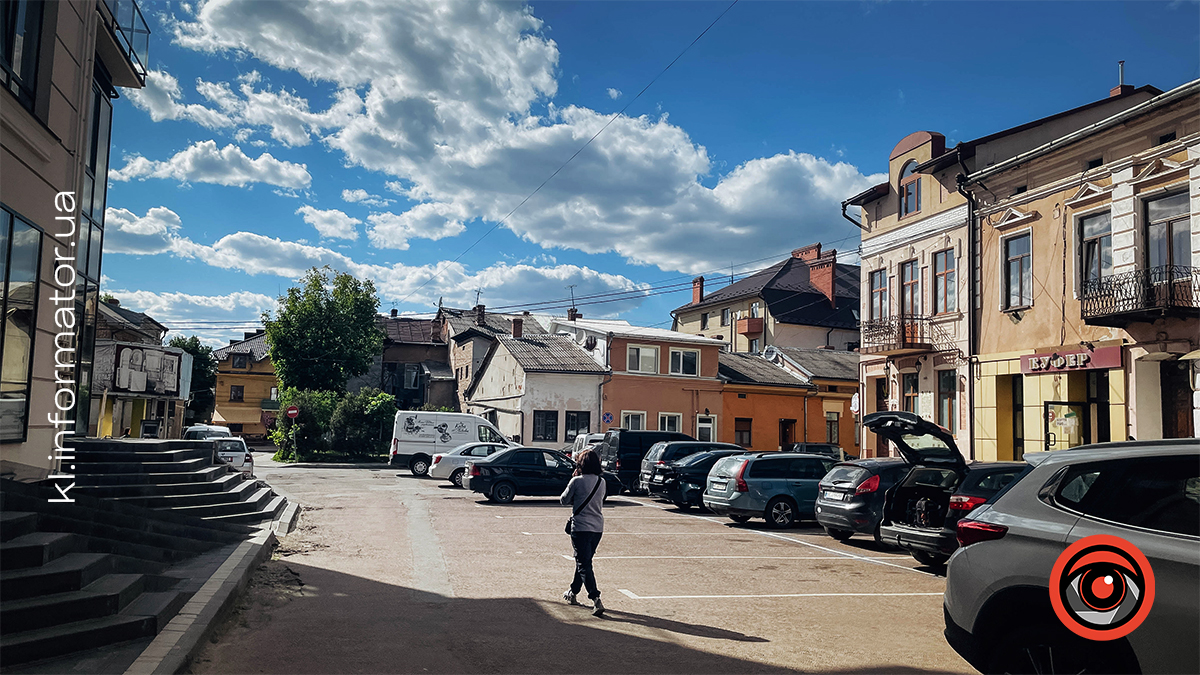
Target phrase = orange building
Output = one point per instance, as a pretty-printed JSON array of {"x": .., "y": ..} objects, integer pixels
[{"x": 766, "y": 407}]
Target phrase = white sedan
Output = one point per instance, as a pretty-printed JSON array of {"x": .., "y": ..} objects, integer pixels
[{"x": 450, "y": 465}]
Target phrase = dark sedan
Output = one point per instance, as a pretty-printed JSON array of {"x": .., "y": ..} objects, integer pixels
[
  {"x": 525, "y": 471},
  {"x": 682, "y": 482},
  {"x": 851, "y": 495}
]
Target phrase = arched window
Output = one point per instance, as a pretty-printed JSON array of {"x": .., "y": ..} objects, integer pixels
[{"x": 910, "y": 189}]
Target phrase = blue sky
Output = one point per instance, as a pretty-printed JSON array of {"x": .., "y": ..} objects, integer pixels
[{"x": 384, "y": 138}]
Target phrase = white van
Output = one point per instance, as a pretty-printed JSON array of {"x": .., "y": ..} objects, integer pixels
[{"x": 418, "y": 436}]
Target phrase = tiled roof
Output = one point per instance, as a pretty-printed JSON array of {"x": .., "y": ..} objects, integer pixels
[
  {"x": 256, "y": 347},
  {"x": 754, "y": 369},
  {"x": 405, "y": 330},
  {"x": 550, "y": 354},
  {"x": 824, "y": 363},
  {"x": 461, "y": 320},
  {"x": 624, "y": 330},
  {"x": 437, "y": 370},
  {"x": 129, "y": 318}
]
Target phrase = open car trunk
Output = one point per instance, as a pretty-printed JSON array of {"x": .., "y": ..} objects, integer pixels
[{"x": 922, "y": 499}]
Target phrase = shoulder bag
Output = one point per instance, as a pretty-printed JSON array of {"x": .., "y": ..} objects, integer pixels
[{"x": 570, "y": 528}]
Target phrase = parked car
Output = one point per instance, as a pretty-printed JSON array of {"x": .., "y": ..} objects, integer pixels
[
  {"x": 664, "y": 452},
  {"x": 418, "y": 436},
  {"x": 921, "y": 511},
  {"x": 828, "y": 449},
  {"x": 234, "y": 452},
  {"x": 780, "y": 487},
  {"x": 850, "y": 498},
  {"x": 997, "y": 606},
  {"x": 199, "y": 432},
  {"x": 583, "y": 442},
  {"x": 525, "y": 471},
  {"x": 682, "y": 481},
  {"x": 452, "y": 465},
  {"x": 622, "y": 450}
]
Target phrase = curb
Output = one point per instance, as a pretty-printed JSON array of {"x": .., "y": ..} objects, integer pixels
[
  {"x": 288, "y": 518},
  {"x": 184, "y": 635},
  {"x": 323, "y": 465}
]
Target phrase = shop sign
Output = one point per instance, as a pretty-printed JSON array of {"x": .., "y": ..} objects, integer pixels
[{"x": 1066, "y": 361}]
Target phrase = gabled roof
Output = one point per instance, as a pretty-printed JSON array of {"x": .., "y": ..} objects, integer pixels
[
  {"x": 624, "y": 330},
  {"x": 462, "y": 320},
  {"x": 256, "y": 347},
  {"x": 821, "y": 363},
  {"x": 551, "y": 354},
  {"x": 405, "y": 330},
  {"x": 754, "y": 369},
  {"x": 436, "y": 370},
  {"x": 128, "y": 319}
]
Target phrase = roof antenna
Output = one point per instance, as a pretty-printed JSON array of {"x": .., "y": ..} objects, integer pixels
[
  {"x": 478, "y": 291},
  {"x": 571, "y": 287}
]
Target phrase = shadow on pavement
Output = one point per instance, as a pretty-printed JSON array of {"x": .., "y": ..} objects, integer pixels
[
  {"x": 548, "y": 502},
  {"x": 679, "y": 627}
]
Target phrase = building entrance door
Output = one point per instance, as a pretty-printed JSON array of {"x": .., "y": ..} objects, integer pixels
[
  {"x": 1066, "y": 424},
  {"x": 787, "y": 433},
  {"x": 1176, "y": 399}
]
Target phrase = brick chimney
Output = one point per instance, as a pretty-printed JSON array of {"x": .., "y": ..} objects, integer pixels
[
  {"x": 395, "y": 312},
  {"x": 518, "y": 327},
  {"x": 573, "y": 314},
  {"x": 821, "y": 272},
  {"x": 810, "y": 252},
  {"x": 479, "y": 315},
  {"x": 697, "y": 290}
]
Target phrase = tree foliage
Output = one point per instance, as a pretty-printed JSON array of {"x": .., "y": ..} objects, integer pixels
[
  {"x": 204, "y": 374},
  {"x": 324, "y": 332},
  {"x": 308, "y": 434},
  {"x": 362, "y": 423}
]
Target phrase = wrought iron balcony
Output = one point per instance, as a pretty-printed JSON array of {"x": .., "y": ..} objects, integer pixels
[
  {"x": 1142, "y": 295},
  {"x": 133, "y": 33},
  {"x": 898, "y": 335}
]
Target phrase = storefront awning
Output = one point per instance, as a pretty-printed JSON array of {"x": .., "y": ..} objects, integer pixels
[{"x": 238, "y": 416}]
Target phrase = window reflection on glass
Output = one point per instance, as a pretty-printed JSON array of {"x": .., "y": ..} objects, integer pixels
[
  {"x": 20, "y": 250},
  {"x": 1097, "y": 246},
  {"x": 1168, "y": 231},
  {"x": 1019, "y": 272}
]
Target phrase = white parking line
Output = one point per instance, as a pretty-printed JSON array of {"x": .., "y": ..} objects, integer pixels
[
  {"x": 733, "y": 557},
  {"x": 634, "y": 596}
]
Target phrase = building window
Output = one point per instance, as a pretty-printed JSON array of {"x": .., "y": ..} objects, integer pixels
[
  {"x": 412, "y": 376},
  {"x": 1097, "y": 246},
  {"x": 21, "y": 253},
  {"x": 706, "y": 428},
  {"x": 910, "y": 190},
  {"x": 755, "y": 308},
  {"x": 20, "y": 33},
  {"x": 670, "y": 422},
  {"x": 237, "y": 392},
  {"x": 910, "y": 388},
  {"x": 910, "y": 289},
  {"x": 1095, "y": 163},
  {"x": 725, "y": 317},
  {"x": 274, "y": 393},
  {"x": 1018, "y": 272},
  {"x": 634, "y": 421},
  {"x": 1168, "y": 232},
  {"x": 753, "y": 345},
  {"x": 545, "y": 425},
  {"x": 1166, "y": 138},
  {"x": 947, "y": 394},
  {"x": 1017, "y": 387},
  {"x": 704, "y": 321},
  {"x": 944, "y": 292},
  {"x": 831, "y": 428},
  {"x": 579, "y": 422},
  {"x": 879, "y": 294},
  {"x": 235, "y": 427},
  {"x": 239, "y": 360},
  {"x": 685, "y": 362},
  {"x": 741, "y": 431},
  {"x": 643, "y": 359}
]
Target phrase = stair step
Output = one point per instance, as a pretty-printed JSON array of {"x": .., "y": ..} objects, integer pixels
[
  {"x": 104, "y": 596},
  {"x": 236, "y": 492},
  {"x": 133, "y": 467},
  {"x": 14, "y": 524},
  {"x": 249, "y": 505},
  {"x": 266, "y": 514},
  {"x": 162, "y": 605},
  {"x": 75, "y": 636},
  {"x": 85, "y": 458},
  {"x": 182, "y": 539},
  {"x": 137, "y": 477},
  {"x": 222, "y": 483},
  {"x": 71, "y": 572},
  {"x": 36, "y": 549}
]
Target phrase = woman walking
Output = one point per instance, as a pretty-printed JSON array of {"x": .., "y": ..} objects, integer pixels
[{"x": 585, "y": 494}]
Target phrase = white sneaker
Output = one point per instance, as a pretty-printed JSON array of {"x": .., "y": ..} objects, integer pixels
[
  {"x": 599, "y": 607},
  {"x": 570, "y": 598}
]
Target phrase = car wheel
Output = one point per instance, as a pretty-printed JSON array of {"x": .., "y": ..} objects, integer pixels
[
  {"x": 419, "y": 466},
  {"x": 840, "y": 535},
  {"x": 682, "y": 506},
  {"x": 740, "y": 519},
  {"x": 930, "y": 559},
  {"x": 1049, "y": 649},
  {"x": 504, "y": 492},
  {"x": 878, "y": 534},
  {"x": 457, "y": 477},
  {"x": 780, "y": 513}
]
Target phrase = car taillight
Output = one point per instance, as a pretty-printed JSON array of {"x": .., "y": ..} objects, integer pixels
[
  {"x": 395, "y": 443},
  {"x": 475, "y": 470},
  {"x": 617, "y": 465},
  {"x": 869, "y": 485},
  {"x": 973, "y": 531},
  {"x": 660, "y": 463},
  {"x": 964, "y": 503},
  {"x": 437, "y": 458},
  {"x": 249, "y": 458},
  {"x": 741, "y": 484}
]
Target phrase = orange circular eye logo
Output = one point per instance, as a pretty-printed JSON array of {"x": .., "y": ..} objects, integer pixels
[{"x": 1102, "y": 587}]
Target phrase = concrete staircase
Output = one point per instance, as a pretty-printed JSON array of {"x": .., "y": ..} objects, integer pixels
[
  {"x": 181, "y": 476},
  {"x": 97, "y": 572}
]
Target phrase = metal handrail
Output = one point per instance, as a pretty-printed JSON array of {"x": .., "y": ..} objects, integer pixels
[
  {"x": 133, "y": 31},
  {"x": 1164, "y": 287},
  {"x": 906, "y": 330}
]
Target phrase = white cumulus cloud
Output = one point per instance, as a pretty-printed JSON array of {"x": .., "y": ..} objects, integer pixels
[
  {"x": 424, "y": 221},
  {"x": 161, "y": 99},
  {"x": 332, "y": 223},
  {"x": 204, "y": 162},
  {"x": 614, "y": 94},
  {"x": 361, "y": 196}
]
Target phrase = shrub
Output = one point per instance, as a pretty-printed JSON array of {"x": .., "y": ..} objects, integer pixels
[
  {"x": 308, "y": 434},
  {"x": 362, "y": 423}
]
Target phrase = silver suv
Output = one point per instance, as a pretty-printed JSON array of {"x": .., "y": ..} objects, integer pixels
[
  {"x": 1000, "y": 613},
  {"x": 780, "y": 487}
]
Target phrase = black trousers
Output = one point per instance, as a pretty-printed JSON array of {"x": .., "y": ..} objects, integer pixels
[{"x": 585, "y": 544}]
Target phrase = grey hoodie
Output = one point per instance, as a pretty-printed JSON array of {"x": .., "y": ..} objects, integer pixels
[{"x": 590, "y": 519}]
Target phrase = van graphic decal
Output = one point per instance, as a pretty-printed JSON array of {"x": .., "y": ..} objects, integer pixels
[
  {"x": 461, "y": 428},
  {"x": 442, "y": 430},
  {"x": 411, "y": 426}
]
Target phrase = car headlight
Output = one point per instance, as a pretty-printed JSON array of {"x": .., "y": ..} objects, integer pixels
[{"x": 690, "y": 486}]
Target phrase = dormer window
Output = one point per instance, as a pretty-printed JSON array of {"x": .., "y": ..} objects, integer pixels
[{"x": 910, "y": 189}]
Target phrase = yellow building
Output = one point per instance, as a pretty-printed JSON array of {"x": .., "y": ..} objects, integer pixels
[{"x": 247, "y": 392}]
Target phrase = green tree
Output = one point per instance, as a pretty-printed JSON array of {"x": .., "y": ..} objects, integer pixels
[
  {"x": 308, "y": 434},
  {"x": 204, "y": 375},
  {"x": 362, "y": 423},
  {"x": 324, "y": 332}
]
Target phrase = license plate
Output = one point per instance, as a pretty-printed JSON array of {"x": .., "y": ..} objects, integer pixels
[
  {"x": 656, "y": 479},
  {"x": 834, "y": 496},
  {"x": 719, "y": 485}
]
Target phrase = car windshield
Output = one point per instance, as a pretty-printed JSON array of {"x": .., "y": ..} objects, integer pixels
[
  {"x": 697, "y": 458},
  {"x": 229, "y": 446},
  {"x": 849, "y": 475}
]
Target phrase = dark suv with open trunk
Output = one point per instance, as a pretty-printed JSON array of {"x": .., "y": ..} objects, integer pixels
[{"x": 921, "y": 512}]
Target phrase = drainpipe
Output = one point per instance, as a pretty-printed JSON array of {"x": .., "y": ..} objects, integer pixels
[
  {"x": 827, "y": 334},
  {"x": 847, "y": 217},
  {"x": 972, "y": 292},
  {"x": 806, "y": 416}
]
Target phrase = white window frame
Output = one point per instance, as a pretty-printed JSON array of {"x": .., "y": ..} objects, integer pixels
[
  {"x": 626, "y": 414},
  {"x": 726, "y": 316},
  {"x": 657, "y": 365},
  {"x": 1003, "y": 254},
  {"x": 671, "y": 362},
  {"x": 755, "y": 310},
  {"x": 707, "y": 420},
  {"x": 678, "y": 421}
]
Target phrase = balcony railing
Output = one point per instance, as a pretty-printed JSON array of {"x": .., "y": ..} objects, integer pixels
[
  {"x": 750, "y": 326},
  {"x": 897, "y": 335},
  {"x": 1142, "y": 295},
  {"x": 132, "y": 31}
]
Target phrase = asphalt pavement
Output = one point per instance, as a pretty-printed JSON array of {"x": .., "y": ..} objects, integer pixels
[{"x": 389, "y": 573}]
